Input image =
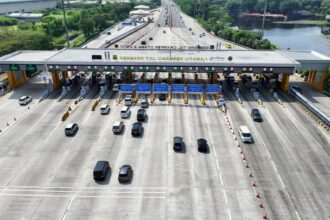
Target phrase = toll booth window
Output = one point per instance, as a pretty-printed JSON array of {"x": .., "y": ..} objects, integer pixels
[{"x": 96, "y": 57}]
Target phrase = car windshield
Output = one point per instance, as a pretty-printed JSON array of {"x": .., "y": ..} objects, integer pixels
[{"x": 246, "y": 135}]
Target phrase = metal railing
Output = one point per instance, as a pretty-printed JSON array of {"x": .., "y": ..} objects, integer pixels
[{"x": 310, "y": 106}]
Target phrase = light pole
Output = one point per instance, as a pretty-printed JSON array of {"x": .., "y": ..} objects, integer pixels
[
  {"x": 263, "y": 20},
  {"x": 65, "y": 24}
]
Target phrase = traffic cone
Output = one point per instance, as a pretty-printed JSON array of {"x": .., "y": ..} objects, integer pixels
[
  {"x": 261, "y": 205},
  {"x": 247, "y": 165},
  {"x": 250, "y": 175},
  {"x": 264, "y": 216},
  {"x": 257, "y": 194},
  {"x": 243, "y": 156},
  {"x": 254, "y": 183}
]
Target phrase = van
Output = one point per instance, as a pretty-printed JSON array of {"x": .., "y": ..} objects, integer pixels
[
  {"x": 128, "y": 100},
  {"x": 118, "y": 127},
  {"x": 71, "y": 129},
  {"x": 245, "y": 134},
  {"x": 101, "y": 170},
  {"x": 125, "y": 112},
  {"x": 105, "y": 109}
]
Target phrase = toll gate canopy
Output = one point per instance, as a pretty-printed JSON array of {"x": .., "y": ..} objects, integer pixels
[{"x": 190, "y": 61}]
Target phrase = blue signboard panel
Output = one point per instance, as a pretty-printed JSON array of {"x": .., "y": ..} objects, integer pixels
[
  {"x": 195, "y": 88},
  {"x": 160, "y": 88},
  {"x": 212, "y": 89},
  {"x": 178, "y": 88},
  {"x": 126, "y": 88},
  {"x": 143, "y": 88}
]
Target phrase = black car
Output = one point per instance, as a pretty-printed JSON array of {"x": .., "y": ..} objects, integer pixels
[
  {"x": 101, "y": 169},
  {"x": 256, "y": 115},
  {"x": 202, "y": 145},
  {"x": 177, "y": 80},
  {"x": 178, "y": 144},
  {"x": 136, "y": 129},
  {"x": 141, "y": 115},
  {"x": 162, "y": 97},
  {"x": 297, "y": 88},
  {"x": 125, "y": 174}
]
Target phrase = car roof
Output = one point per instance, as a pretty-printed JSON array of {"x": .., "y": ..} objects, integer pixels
[
  {"x": 137, "y": 124},
  {"x": 117, "y": 123},
  {"x": 124, "y": 108},
  {"x": 177, "y": 139},
  {"x": 124, "y": 169},
  {"x": 104, "y": 105},
  {"x": 23, "y": 97},
  {"x": 201, "y": 141},
  {"x": 141, "y": 110},
  {"x": 244, "y": 129},
  {"x": 69, "y": 125}
]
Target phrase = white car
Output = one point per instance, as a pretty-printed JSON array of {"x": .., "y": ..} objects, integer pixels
[
  {"x": 105, "y": 109},
  {"x": 144, "y": 103},
  {"x": 118, "y": 127},
  {"x": 24, "y": 100},
  {"x": 71, "y": 129}
]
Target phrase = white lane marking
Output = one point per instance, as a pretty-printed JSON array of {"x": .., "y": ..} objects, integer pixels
[
  {"x": 229, "y": 215},
  {"x": 268, "y": 154},
  {"x": 148, "y": 124},
  {"x": 274, "y": 166},
  {"x": 213, "y": 149},
  {"x": 225, "y": 195},
  {"x": 298, "y": 216},
  {"x": 69, "y": 196},
  {"x": 50, "y": 133},
  {"x": 279, "y": 176},
  {"x": 192, "y": 161},
  {"x": 88, "y": 187},
  {"x": 217, "y": 163},
  {"x": 32, "y": 126},
  {"x": 71, "y": 200},
  {"x": 81, "y": 191}
]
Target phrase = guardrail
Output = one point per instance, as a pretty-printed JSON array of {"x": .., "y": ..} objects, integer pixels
[
  {"x": 310, "y": 106},
  {"x": 122, "y": 36}
]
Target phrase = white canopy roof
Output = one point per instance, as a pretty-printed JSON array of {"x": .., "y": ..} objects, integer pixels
[
  {"x": 141, "y": 7},
  {"x": 139, "y": 12}
]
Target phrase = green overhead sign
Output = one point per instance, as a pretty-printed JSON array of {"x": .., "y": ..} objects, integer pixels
[
  {"x": 13, "y": 67},
  {"x": 31, "y": 68}
]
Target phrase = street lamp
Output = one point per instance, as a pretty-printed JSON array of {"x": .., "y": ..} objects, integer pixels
[
  {"x": 263, "y": 20},
  {"x": 65, "y": 24}
]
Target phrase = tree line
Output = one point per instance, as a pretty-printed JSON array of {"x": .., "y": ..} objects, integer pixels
[
  {"x": 49, "y": 33},
  {"x": 215, "y": 17}
]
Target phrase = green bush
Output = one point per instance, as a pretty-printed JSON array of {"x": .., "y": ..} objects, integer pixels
[{"x": 5, "y": 21}]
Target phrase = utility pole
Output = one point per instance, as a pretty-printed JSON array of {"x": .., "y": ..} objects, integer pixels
[
  {"x": 263, "y": 20},
  {"x": 65, "y": 25}
]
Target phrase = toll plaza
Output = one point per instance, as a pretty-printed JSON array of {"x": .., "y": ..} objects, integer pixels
[{"x": 72, "y": 66}]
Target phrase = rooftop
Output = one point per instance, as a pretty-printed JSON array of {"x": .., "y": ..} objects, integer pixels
[{"x": 106, "y": 56}]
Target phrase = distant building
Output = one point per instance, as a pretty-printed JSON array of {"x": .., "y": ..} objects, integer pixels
[
  {"x": 327, "y": 18},
  {"x": 10, "y": 6},
  {"x": 26, "y": 16},
  {"x": 140, "y": 12},
  {"x": 303, "y": 14},
  {"x": 253, "y": 17},
  {"x": 141, "y": 7}
]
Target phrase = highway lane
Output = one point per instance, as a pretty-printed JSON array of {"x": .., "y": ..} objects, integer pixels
[{"x": 284, "y": 144}]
